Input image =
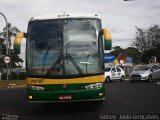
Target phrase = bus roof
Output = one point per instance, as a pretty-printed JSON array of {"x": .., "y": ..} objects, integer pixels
[{"x": 63, "y": 16}]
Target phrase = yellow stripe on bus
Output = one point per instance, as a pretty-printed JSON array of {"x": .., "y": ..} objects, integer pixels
[{"x": 91, "y": 79}]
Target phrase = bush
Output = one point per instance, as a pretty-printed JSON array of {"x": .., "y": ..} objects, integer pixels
[
  {"x": 4, "y": 75},
  {"x": 22, "y": 75},
  {"x": 12, "y": 76}
]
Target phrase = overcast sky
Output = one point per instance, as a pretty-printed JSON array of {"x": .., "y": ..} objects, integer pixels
[{"x": 118, "y": 16}]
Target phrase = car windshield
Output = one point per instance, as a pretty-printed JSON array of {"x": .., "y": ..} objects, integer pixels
[
  {"x": 107, "y": 69},
  {"x": 139, "y": 68},
  {"x": 64, "y": 47}
]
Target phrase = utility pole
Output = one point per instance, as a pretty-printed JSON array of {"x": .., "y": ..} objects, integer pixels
[{"x": 7, "y": 51}]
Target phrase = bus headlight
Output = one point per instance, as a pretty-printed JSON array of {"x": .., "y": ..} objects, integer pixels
[
  {"x": 94, "y": 86},
  {"x": 33, "y": 87}
]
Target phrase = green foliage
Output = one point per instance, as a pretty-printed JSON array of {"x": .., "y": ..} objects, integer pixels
[
  {"x": 118, "y": 50},
  {"x": 132, "y": 52},
  {"x": 135, "y": 54},
  {"x": 16, "y": 61},
  {"x": 146, "y": 39},
  {"x": 12, "y": 76},
  {"x": 22, "y": 75},
  {"x": 4, "y": 76},
  {"x": 151, "y": 52}
]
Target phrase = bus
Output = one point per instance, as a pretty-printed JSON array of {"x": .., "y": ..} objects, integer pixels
[{"x": 64, "y": 58}]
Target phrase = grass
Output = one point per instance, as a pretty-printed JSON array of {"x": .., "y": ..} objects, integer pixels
[{"x": 14, "y": 83}]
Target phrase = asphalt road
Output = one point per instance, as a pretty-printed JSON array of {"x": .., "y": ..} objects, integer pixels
[{"x": 123, "y": 98}]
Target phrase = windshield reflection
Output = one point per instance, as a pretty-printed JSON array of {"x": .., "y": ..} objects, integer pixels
[
  {"x": 142, "y": 68},
  {"x": 63, "y": 47}
]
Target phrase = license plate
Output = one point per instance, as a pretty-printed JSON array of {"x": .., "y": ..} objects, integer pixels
[{"x": 65, "y": 97}]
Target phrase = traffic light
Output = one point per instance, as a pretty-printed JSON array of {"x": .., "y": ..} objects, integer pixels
[{"x": 3, "y": 49}]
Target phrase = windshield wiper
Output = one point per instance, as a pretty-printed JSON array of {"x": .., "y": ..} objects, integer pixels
[
  {"x": 74, "y": 63},
  {"x": 58, "y": 62},
  {"x": 54, "y": 65}
]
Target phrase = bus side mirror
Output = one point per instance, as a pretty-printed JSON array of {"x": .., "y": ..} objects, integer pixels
[
  {"x": 107, "y": 39},
  {"x": 17, "y": 42}
]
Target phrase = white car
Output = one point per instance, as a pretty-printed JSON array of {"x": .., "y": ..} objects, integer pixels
[{"x": 114, "y": 73}]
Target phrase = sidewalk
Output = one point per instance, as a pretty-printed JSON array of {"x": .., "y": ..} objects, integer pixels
[
  {"x": 17, "y": 86},
  {"x": 13, "y": 84},
  {"x": 13, "y": 87}
]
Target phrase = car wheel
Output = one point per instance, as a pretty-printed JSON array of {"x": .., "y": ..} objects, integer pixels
[
  {"x": 150, "y": 78},
  {"x": 122, "y": 79},
  {"x": 108, "y": 79}
]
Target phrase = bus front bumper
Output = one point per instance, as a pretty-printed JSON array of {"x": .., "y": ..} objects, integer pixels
[{"x": 66, "y": 96}]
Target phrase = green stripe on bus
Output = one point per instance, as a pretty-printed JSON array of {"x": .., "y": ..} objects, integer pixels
[
  {"x": 17, "y": 48},
  {"x": 108, "y": 44}
]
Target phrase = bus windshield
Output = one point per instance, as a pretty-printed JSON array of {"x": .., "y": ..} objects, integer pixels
[{"x": 60, "y": 47}]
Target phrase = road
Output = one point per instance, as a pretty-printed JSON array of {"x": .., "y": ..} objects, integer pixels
[{"x": 123, "y": 98}]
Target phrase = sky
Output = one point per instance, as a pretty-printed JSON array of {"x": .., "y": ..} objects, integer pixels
[{"x": 119, "y": 16}]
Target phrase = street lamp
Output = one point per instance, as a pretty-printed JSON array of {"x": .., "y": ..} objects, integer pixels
[{"x": 7, "y": 53}]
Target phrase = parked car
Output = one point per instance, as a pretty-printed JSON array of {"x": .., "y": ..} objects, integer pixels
[
  {"x": 114, "y": 73},
  {"x": 147, "y": 72}
]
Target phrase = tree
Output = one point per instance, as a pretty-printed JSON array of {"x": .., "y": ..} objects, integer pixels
[
  {"x": 135, "y": 54},
  {"x": 2, "y": 47},
  {"x": 147, "y": 55},
  {"x": 15, "y": 59},
  {"x": 117, "y": 51},
  {"x": 147, "y": 38},
  {"x": 12, "y": 31},
  {"x": 132, "y": 52}
]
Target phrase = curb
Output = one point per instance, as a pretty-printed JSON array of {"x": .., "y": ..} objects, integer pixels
[
  {"x": 19, "y": 86},
  {"x": 13, "y": 87}
]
